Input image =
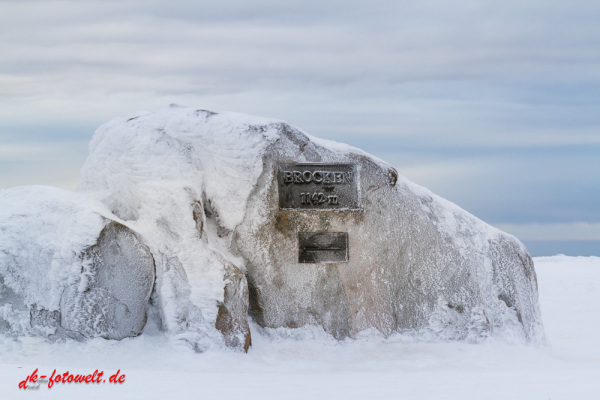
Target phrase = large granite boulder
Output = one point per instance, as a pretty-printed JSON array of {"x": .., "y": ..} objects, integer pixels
[
  {"x": 325, "y": 234},
  {"x": 68, "y": 269},
  {"x": 195, "y": 218},
  {"x": 334, "y": 237}
]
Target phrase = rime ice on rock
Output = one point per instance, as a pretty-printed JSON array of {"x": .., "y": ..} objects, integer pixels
[
  {"x": 245, "y": 214},
  {"x": 416, "y": 262}
]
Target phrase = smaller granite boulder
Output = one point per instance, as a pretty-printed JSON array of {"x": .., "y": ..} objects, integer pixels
[
  {"x": 68, "y": 269},
  {"x": 111, "y": 301}
]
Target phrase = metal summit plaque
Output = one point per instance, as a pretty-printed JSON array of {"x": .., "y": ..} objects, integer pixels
[
  {"x": 318, "y": 187},
  {"x": 321, "y": 247}
]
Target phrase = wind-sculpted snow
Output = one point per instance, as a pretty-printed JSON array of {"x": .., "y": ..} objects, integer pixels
[
  {"x": 181, "y": 178},
  {"x": 196, "y": 194}
]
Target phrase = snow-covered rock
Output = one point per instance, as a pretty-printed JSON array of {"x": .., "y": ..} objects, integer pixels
[
  {"x": 180, "y": 178},
  {"x": 68, "y": 268},
  {"x": 416, "y": 261},
  {"x": 201, "y": 190},
  {"x": 194, "y": 218}
]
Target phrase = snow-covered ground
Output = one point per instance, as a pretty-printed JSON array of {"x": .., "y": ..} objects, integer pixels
[{"x": 308, "y": 364}]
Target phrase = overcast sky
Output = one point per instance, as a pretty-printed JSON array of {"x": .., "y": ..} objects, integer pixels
[{"x": 493, "y": 105}]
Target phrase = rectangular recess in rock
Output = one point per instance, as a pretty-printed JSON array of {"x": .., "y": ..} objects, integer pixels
[
  {"x": 318, "y": 187},
  {"x": 322, "y": 247}
]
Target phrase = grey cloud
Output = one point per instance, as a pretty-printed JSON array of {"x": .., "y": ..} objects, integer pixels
[{"x": 438, "y": 41}]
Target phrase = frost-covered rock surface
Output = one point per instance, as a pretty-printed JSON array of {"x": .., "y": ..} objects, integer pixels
[
  {"x": 67, "y": 268},
  {"x": 200, "y": 188},
  {"x": 112, "y": 300},
  {"x": 416, "y": 261}
]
